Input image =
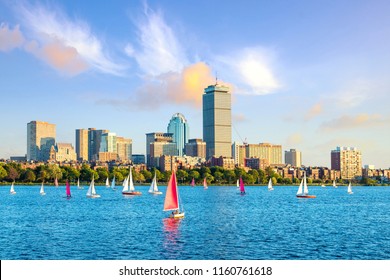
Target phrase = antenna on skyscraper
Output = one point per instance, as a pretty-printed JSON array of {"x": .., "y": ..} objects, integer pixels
[{"x": 216, "y": 78}]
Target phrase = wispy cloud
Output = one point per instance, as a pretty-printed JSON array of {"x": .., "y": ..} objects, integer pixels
[
  {"x": 314, "y": 111},
  {"x": 294, "y": 139},
  {"x": 355, "y": 93},
  {"x": 10, "y": 38},
  {"x": 67, "y": 45},
  {"x": 159, "y": 51},
  {"x": 250, "y": 70},
  {"x": 351, "y": 122}
]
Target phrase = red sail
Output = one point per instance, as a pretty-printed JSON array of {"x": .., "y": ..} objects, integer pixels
[
  {"x": 67, "y": 189},
  {"x": 171, "y": 197},
  {"x": 242, "y": 188}
]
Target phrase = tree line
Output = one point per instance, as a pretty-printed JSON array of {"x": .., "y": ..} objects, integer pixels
[{"x": 12, "y": 171}]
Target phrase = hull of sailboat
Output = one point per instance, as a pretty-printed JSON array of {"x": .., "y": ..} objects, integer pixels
[
  {"x": 131, "y": 193},
  {"x": 12, "y": 192},
  {"x": 155, "y": 192},
  {"x": 42, "y": 193},
  {"x": 93, "y": 196},
  {"x": 350, "y": 192},
  {"x": 305, "y": 196},
  {"x": 177, "y": 216}
]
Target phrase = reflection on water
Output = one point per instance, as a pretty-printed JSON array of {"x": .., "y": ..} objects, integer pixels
[{"x": 171, "y": 233}]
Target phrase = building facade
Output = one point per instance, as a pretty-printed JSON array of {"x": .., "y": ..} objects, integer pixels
[
  {"x": 82, "y": 144},
  {"x": 63, "y": 152},
  {"x": 41, "y": 136},
  {"x": 195, "y": 148},
  {"x": 293, "y": 157},
  {"x": 124, "y": 148},
  {"x": 347, "y": 160},
  {"x": 156, "y": 137},
  {"x": 179, "y": 128},
  {"x": 217, "y": 121},
  {"x": 94, "y": 141}
]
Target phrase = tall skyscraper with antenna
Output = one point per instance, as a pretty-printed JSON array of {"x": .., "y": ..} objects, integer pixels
[{"x": 217, "y": 121}]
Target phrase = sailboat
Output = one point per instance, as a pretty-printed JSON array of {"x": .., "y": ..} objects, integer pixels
[
  {"x": 91, "y": 193},
  {"x": 68, "y": 195},
  {"x": 334, "y": 184},
  {"x": 12, "y": 190},
  {"x": 238, "y": 183},
  {"x": 56, "y": 182},
  {"x": 113, "y": 187},
  {"x": 42, "y": 190},
  {"x": 303, "y": 191},
  {"x": 78, "y": 184},
  {"x": 107, "y": 183},
  {"x": 350, "y": 188},
  {"x": 193, "y": 182},
  {"x": 128, "y": 188},
  {"x": 242, "y": 187},
  {"x": 270, "y": 188},
  {"x": 153, "y": 187},
  {"x": 171, "y": 202},
  {"x": 205, "y": 184}
]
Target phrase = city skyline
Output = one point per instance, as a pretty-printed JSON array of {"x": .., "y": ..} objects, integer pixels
[{"x": 308, "y": 76}]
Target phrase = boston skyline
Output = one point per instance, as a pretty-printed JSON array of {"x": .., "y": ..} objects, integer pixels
[{"x": 310, "y": 77}]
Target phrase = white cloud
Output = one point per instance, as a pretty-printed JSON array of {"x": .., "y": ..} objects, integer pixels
[
  {"x": 250, "y": 71},
  {"x": 52, "y": 26},
  {"x": 159, "y": 50}
]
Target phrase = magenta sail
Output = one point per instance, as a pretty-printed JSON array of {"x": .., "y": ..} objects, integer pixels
[
  {"x": 67, "y": 189},
  {"x": 242, "y": 188}
]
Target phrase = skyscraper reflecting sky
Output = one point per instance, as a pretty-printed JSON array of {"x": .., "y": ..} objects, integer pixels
[{"x": 178, "y": 126}]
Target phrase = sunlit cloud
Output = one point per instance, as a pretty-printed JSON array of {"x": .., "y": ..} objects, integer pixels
[
  {"x": 351, "y": 122},
  {"x": 10, "y": 38},
  {"x": 159, "y": 51},
  {"x": 294, "y": 139},
  {"x": 250, "y": 71},
  {"x": 58, "y": 38},
  {"x": 314, "y": 111}
]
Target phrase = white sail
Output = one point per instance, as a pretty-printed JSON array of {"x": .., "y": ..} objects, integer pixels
[
  {"x": 270, "y": 188},
  {"x": 334, "y": 184},
  {"x": 350, "y": 188},
  {"x": 153, "y": 186},
  {"x": 91, "y": 190},
  {"x": 12, "y": 190},
  {"x": 131, "y": 184},
  {"x": 299, "y": 192},
  {"x": 126, "y": 184},
  {"x": 107, "y": 183},
  {"x": 113, "y": 184},
  {"x": 42, "y": 190},
  {"x": 238, "y": 183},
  {"x": 78, "y": 183},
  {"x": 305, "y": 189}
]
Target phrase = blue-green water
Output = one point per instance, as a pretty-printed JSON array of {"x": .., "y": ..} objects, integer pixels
[{"x": 219, "y": 224}]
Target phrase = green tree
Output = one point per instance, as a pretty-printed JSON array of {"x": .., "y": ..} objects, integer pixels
[
  {"x": 218, "y": 176},
  {"x": 194, "y": 174},
  {"x": 12, "y": 174},
  {"x": 28, "y": 176},
  {"x": 102, "y": 173},
  {"x": 148, "y": 175},
  {"x": 181, "y": 175},
  {"x": 229, "y": 176},
  {"x": 3, "y": 173}
]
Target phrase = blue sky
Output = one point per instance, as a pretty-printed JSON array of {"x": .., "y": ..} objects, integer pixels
[{"x": 309, "y": 75}]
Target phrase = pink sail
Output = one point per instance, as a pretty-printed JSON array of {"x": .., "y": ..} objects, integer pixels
[
  {"x": 242, "y": 188},
  {"x": 67, "y": 189},
  {"x": 56, "y": 182},
  {"x": 205, "y": 183},
  {"x": 171, "y": 197},
  {"x": 193, "y": 182}
]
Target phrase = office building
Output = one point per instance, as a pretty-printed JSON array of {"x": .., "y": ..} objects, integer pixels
[
  {"x": 41, "y": 136},
  {"x": 195, "y": 148},
  {"x": 178, "y": 126},
  {"x": 94, "y": 141},
  {"x": 124, "y": 148},
  {"x": 217, "y": 121},
  {"x": 156, "y": 137},
  {"x": 293, "y": 157},
  {"x": 347, "y": 160},
  {"x": 82, "y": 144}
]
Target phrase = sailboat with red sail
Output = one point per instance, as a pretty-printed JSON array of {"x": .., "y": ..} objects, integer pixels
[
  {"x": 68, "y": 195},
  {"x": 193, "y": 182},
  {"x": 171, "y": 202},
  {"x": 205, "y": 184},
  {"x": 242, "y": 187}
]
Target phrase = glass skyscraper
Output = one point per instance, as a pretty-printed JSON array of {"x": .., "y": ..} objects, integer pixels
[
  {"x": 178, "y": 126},
  {"x": 217, "y": 121}
]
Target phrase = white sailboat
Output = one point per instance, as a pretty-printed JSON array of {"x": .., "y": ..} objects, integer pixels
[
  {"x": 153, "y": 187},
  {"x": 270, "y": 187},
  {"x": 78, "y": 184},
  {"x": 91, "y": 193},
  {"x": 107, "y": 183},
  {"x": 238, "y": 183},
  {"x": 42, "y": 190},
  {"x": 350, "y": 188},
  {"x": 12, "y": 190},
  {"x": 113, "y": 187},
  {"x": 303, "y": 191},
  {"x": 128, "y": 188},
  {"x": 334, "y": 184}
]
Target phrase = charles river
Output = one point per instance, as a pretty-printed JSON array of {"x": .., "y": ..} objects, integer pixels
[{"x": 219, "y": 224}]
